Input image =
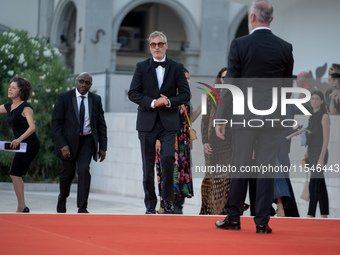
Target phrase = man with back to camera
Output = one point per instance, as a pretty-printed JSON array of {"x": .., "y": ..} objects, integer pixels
[
  {"x": 262, "y": 61},
  {"x": 158, "y": 87},
  {"x": 79, "y": 130}
]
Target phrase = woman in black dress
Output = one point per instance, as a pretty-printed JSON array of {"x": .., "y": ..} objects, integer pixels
[
  {"x": 20, "y": 119},
  {"x": 317, "y": 141}
]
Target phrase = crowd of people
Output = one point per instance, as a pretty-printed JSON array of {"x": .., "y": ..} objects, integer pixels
[{"x": 160, "y": 88}]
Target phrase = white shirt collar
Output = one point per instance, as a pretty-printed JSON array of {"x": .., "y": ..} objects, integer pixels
[
  {"x": 258, "y": 28},
  {"x": 155, "y": 60},
  {"x": 79, "y": 95}
]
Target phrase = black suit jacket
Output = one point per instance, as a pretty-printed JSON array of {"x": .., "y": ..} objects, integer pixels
[
  {"x": 262, "y": 61},
  {"x": 66, "y": 123},
  {"x": 144, "y": 89}
]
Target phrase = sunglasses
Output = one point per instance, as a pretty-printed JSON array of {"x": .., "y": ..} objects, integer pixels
[
  {"x": 87, "y": 83},
  {"x": 160, "y": 45}
]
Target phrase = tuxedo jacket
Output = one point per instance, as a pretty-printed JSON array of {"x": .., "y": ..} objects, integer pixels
[
  {"x": 261, "y": 61},
  {"x": 66, "y": 123},
  {"x": 144, "y": 89}
]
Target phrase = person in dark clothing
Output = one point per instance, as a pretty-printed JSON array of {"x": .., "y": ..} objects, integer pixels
[{"x": 20, "y": 118}]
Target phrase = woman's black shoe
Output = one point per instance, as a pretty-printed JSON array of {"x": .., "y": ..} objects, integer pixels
[{"x": 26, "y": 210}]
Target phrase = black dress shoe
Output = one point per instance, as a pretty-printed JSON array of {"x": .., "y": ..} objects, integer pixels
[
  {"x": 168, "y": 207},
  {"x": 26, "y": 210},
  {"x": 150, "y": 211},
  {"x": 61, "y": 206},
  {"x": 263, "y": 229},
  {"x": 227, "y": 224},
  {"x": 82, "y": 210},
  {"x": 244, "y": 207}
]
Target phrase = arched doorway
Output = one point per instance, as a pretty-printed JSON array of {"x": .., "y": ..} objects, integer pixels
[
  {"x": 138, "y": 19},
  {"x": 63, "y": 32},
  {"x": 138, "y": 24},
  {"x": 239, "y": 26},
  {"x": 243, "y": 27}
]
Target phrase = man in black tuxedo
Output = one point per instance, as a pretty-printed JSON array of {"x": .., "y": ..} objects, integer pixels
[
  {"x": 261, "y": 61},
  {"x": 79, "y": 131},
  {"x": 158, "y": 87}
]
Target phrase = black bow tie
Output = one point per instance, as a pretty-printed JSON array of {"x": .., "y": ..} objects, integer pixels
[{"x": 159, "y": 64}]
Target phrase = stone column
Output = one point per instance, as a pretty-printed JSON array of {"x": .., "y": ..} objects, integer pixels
[
  {"x": 192, "y": 57},
  {"x": 214, "y": 35},
  {"x": 114, "y": 48},
  {"x": 94, "y": 41}
]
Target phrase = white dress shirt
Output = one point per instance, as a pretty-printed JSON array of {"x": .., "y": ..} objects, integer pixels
[
  {"x": 87, "y": 126},
  {"x": 160, "y": 72},
  {"x": 160, "y": 77},
  {"x": 259, "y": 28}
]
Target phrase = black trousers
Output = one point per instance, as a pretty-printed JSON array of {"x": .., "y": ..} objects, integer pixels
[
  {"x": 167, "y": 155},
  {"x": 266, "y": 143},
  {"x": 317, "y": 185},
  {"x": 81, "y": 164}
]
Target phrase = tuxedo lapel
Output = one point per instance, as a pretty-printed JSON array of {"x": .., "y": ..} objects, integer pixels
[
  {"x": 166, "y": 72},
  {"x": 75, "y": 105},
  {"x": 90, "y": 99},
  {"x": 167, "y": 67},
  {"x": 153, "y": 71}
]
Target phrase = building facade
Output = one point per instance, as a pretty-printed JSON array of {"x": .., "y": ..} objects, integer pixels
[{"x": 111, "y": 34}]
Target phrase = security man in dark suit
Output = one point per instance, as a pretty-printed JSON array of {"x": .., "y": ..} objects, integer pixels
[
  {"x": 158, "y": 87},
  {"x": 260, "y": 61},
  {"x": 79, "y": 129}
]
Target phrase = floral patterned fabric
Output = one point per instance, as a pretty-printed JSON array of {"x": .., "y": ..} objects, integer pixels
[{"x": 182, "y": 170}]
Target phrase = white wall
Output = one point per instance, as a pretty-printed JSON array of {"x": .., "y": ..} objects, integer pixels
[
  {"x": 312, "y": 28},
  {"x": 121, "y": 171}
]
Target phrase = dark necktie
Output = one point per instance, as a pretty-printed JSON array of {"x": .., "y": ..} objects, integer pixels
[
  {"x": 159, "y": 64},
  {"x": 82, "y": 115}
]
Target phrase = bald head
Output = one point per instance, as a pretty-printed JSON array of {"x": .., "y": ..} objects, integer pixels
[
  {"x": 86, "y": 74},
  {"x": 303, "y": 75},
  {"x": 260, "y": 14},
  {"x": 84, "y": 82}
]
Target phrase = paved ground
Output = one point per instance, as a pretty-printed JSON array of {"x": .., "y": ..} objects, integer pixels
[{"x": 42, "y": 198}]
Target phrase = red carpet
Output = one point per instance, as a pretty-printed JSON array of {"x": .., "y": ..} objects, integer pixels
[{"x": 161, "y": 234}]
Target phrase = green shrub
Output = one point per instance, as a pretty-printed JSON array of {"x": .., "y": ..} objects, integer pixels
[{"x": 34, "y": 59}]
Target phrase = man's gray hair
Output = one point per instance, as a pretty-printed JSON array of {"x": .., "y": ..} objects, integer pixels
[
  {"x": 84, "y": 73},
  {"x": 155, "y": 34},
  {"x": 263, "y": 11}
]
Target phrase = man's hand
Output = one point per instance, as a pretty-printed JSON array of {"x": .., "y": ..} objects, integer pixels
[
  {"x": 66, "y": 151},
  {"x": 220, "y": 131},
  {"x": 161, "y": 101},
  {"x": 158, "y": 146},
  {"x": 102, "y": 155}
]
